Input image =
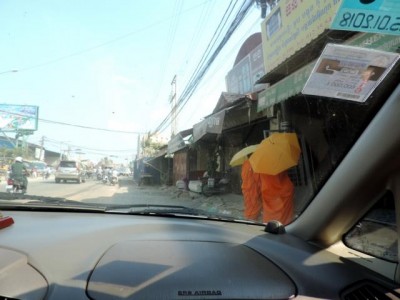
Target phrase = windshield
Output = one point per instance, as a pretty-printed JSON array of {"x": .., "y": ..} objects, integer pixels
[{"x": 241, "y": 109}]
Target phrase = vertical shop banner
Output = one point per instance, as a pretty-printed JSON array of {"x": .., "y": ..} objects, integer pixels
[
  {"x": 243, "y": 76},
  {"x": 349, "y": 73},
  {"x": 375, "y": 16},
  {"x": 292, "y": 25}
]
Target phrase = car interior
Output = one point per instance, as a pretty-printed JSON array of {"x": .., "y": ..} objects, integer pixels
[
  {"x": 50, "y": 254},
  {"x": 343, "y": 244}
]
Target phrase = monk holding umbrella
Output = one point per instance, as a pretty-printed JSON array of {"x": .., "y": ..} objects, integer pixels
[
  {"x": 250, "y": 183},
  {"x": 272, "y": 158}
]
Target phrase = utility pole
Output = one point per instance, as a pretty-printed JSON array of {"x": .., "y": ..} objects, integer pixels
[
  {"x": 174, "y": 108},
  {"x": 138, "y": 147},
  {"x": 41, "y": 148}
]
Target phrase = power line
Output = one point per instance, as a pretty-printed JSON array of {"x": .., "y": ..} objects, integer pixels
[
  {"x": 164, "y": 124},
  {"x": 210, "y": 76},
  {"x": 75, "y": 125},
  {"x": 170, "y": 43},
  {"x": 91, "y": 128},
  {"x": 57, "y": 142},
  {"x": 109, "y": 42},
  {"x": 198, "y": 75},
  {"x": 195, "y": 82}
]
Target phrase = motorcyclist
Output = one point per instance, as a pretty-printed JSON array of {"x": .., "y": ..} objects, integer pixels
[
  {"x": 46, "y": 172},
  {"x": 113, "y": 177},
  {"x": 19, "y": 172}
]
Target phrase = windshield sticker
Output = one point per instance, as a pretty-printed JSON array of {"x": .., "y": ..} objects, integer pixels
[
  {"x": 349, "y": 73},
  {"x": 377, "y": 16}
]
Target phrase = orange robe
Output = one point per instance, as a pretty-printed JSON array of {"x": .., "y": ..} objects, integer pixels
[
  {"x": 277, "y": 195},
  {"x": 251, "y": 192}
]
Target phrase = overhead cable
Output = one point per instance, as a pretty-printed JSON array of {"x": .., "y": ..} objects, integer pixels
[
  {"x": 197, "y": 77},
  {"x": 216, "y": 34}
]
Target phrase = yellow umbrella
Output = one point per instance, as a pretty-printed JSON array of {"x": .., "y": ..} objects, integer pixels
[
  {"x": 239, "y": 157},
  {"x": 275, "y": 154}
]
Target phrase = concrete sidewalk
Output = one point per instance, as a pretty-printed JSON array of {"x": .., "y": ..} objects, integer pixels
[{"x": 227, "y": 204}]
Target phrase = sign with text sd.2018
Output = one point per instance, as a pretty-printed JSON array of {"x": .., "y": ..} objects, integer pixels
[{"x": 375, "y": 16}]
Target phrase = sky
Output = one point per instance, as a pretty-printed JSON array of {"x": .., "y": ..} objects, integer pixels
[{"x": 109, "y": 65}]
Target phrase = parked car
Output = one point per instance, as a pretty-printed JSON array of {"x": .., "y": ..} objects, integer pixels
[{"x": 70, "y": 170}]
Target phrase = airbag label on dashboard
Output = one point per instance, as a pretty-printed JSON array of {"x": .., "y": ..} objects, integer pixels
[{"x": 199, "y": 293}]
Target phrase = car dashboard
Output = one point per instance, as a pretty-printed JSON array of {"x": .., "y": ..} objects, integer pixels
[{"x": 58, "y": 255}]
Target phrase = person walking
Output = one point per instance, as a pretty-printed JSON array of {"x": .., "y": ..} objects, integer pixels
[
  {"x": 277, "y": 193},
  {"x": 19, "y": 172},
  {"x": 251, "y": 192}
]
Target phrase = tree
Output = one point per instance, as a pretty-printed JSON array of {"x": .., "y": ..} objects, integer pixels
[
  {"x": 212, "y": 163},
  {"x": 7, "y": 155}
]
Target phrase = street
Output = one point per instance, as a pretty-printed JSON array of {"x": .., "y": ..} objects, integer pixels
[{"x": 128, "y": 192}]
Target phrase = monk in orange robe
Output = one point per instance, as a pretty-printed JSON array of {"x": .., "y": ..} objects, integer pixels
[
  {"x": 277, "y": 193},
  {"x": 251, "y": 192}
]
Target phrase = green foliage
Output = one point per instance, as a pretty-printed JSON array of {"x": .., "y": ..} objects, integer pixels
[
  {"x": 150, "y": 146},
  {"x": 7, "y": 155},
  {"x": 212, "y": 163}
]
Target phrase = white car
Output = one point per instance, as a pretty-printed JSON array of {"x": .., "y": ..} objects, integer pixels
[{"x": 70, "y": 170}]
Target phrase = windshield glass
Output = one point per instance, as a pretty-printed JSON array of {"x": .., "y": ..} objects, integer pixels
[{"x": 240, "y": 109}]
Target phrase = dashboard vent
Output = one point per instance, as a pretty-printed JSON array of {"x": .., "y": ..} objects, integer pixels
[{"x": 369, "y": 291}]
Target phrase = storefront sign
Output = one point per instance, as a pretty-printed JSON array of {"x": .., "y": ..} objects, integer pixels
[
  {"x": 292, "y": 25},
  {"x": 379, "y": 16},
  {"x": 284, "y": 89},
  {"x": 384, "y": 42},
  {"x": 349, "y": 73},
  {"x": 244, "y": 74}
]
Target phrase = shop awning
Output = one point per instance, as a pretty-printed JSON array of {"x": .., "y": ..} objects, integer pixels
[
  {"x": 231, "y": 110},
  {"x": 284, "y": 89},
  {"x": 210, "y": 125},
  {"x": 232, "y": 116},
  {"x": 179, "y": 141},
  {"x": 227, "y": 99}
]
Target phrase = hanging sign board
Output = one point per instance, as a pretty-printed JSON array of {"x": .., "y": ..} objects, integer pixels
[
  {"x": 377, "y": 16},
  {"x": 349, "y": 73},
  {"x": 292, "y": 25}
]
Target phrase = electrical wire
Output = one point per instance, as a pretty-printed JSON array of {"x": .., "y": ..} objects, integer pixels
[
  {"x": 95, "y": 47},
  {"x": 198, "y": 75},
  {"x": 226, "y": 15},
  {"x": 211, "y": 76},
  {"x": 91, "y": 128},
  {"x": 185, "y": 97},
  {"x": 57, "y": 142},
  {"x": 74, "y": 125},
  {"x": 170, "y": 42}
]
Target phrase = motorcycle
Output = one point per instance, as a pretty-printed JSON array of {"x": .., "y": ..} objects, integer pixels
[
  {"x": 105, "y": 178},
  {"x": 212, "y": 186},
  {"x": 15, "y": 186},
  {"x": 46, "y": 175},
  {"x": 113, "y": 180}
]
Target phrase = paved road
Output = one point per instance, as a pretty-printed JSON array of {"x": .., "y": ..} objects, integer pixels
[{"x": 128, "y": 192}]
